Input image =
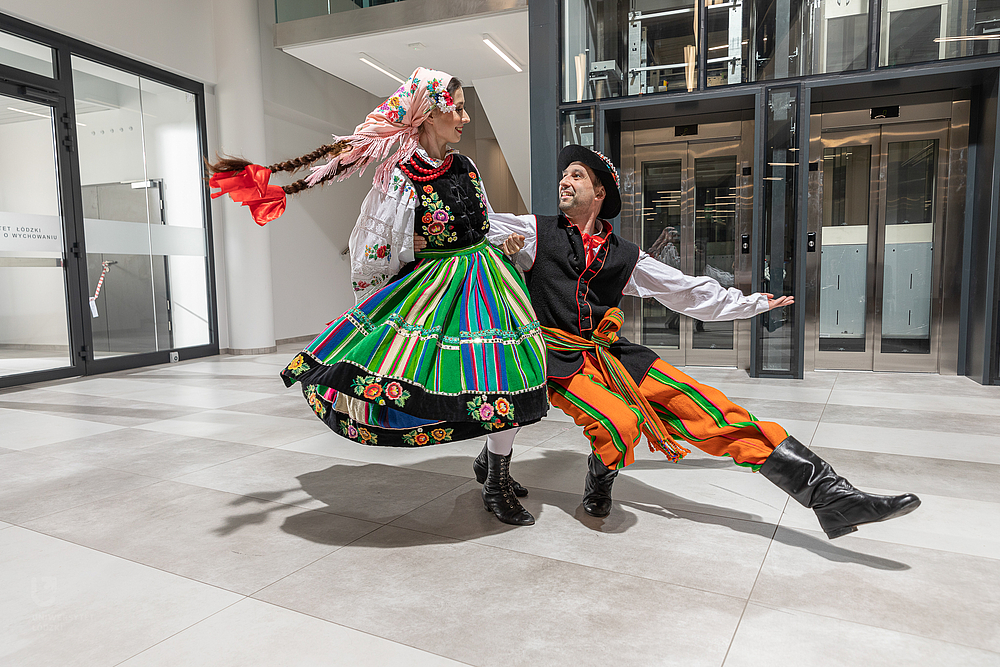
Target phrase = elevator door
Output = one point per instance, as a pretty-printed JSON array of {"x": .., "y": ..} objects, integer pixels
[
  {"x": 881, "y": 194},
  {"x": 690, "y": 205}
]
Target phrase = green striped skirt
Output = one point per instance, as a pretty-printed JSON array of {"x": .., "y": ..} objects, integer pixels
[{"x": 450, "y": 350}]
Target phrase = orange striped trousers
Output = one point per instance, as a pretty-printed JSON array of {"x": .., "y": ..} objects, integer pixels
[{"x": 690, "y": 411}]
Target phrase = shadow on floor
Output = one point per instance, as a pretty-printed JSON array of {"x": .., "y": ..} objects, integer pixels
[{"x": 337, "y": 488}]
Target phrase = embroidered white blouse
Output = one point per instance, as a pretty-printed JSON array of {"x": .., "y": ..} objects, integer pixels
[
  {"x": 700, "y": 297},
  {"x": 382, "y": 239}
]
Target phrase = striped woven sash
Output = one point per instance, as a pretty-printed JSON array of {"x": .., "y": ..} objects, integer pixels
[
  {"x": 433, "y": 253},
  {"x": 617, "y": 377}
]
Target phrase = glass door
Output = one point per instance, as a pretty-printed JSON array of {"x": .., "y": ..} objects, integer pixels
[
  {"x": 881, "y": 207},
  {"x": 690, "y": 202},
  {"x": 35, "y": 329}
]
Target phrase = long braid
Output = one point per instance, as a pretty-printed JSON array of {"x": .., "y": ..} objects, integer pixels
[{"x": 226, "y": 163}]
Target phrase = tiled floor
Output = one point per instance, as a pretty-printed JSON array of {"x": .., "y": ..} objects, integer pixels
[{"x": 198, "y": 514}]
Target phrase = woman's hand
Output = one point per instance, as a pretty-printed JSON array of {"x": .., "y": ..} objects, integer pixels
[
  {"x": 419, "y": 243},
  {"x": 512, "y": 244},
  {"x": 773, "y": 303}
]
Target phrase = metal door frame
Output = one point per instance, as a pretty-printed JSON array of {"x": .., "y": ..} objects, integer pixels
[
  {"x": 878, "y": 135},
  {"x": 662, "y": 144}
]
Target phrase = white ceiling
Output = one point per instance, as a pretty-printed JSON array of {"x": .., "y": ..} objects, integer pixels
[{"x": 455, "y": 47}]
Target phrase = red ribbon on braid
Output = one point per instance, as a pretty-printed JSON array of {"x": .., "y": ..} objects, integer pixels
[{"x": 250, "y": 187}]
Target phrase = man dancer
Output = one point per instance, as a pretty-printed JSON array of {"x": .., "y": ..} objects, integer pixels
[{"x": 577, "y": 271}]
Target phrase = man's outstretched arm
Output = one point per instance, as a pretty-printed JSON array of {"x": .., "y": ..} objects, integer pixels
[{"x": 699, "y": 297}]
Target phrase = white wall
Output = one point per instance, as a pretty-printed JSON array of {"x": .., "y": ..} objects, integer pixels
[
  {"x": 174, "y": 35},
  {"x": 304, "y": 106}
]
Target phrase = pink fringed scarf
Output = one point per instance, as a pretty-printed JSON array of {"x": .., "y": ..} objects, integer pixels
[{"x": 396, "y": 119}]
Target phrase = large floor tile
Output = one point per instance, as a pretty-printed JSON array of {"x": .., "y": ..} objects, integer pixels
[
  {"x": 159, "y": 455},
  {"x": 924, "y": 592},
  {"x": 269, "y": 385},
  {"x": 250, "y": 429},
  {"x": 709, "y": 553},
  {"x": 492, "y": 607},
  {"x": 168, "y": 394},
  {"x": 773, "y": 391},
  {"x": 85, "y": 407},
  {"x": 253, "y": 633},
  {"x": 23, "y": 430},
  {"x": 957, "y": 525},
  {"x": 233, "y": 542},
  {"x": 781, "y": 410},
  {"x": 700, "y": 483},
  {"x": 370, "y": 491},
  {"x": 974, "y": 406},
  {"x": 909, "y": 442},
  {"x": 32, "y": 486},
  {"x": 930, "y": 420},
  {"x": 65, "y": 604},
  {"x": 916, "y": 474},
  {"x": 915, "y": 383},
  {"x": 788, "y": 638},
  {"x": 288, "y": 404}
]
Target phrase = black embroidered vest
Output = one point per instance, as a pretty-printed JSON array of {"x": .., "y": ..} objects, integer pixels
[
  {"x": 451, "y": 209},
  {"x": 568, "y": 294}
]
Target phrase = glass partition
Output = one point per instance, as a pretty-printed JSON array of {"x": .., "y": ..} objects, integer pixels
[
  {"x": 26, "y": 55},
  {"x": 578, "y": 127},
  {"x": 776, "y": 328},
  {"x": 662, "y": 207},
  {"x": 34, "y": 326},
  {"x": 613, "y": 48},
  {"x": 759, "y": 41},
  {"x": 915, "y": 31},
  {"x": 140, "y": 168}
]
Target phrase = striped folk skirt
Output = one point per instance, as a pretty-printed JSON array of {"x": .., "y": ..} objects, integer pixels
[{"x": 450, "y": 350}]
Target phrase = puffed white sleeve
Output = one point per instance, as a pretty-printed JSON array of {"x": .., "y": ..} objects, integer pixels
[
  {"x": 382, "y": 238},
  {"x": 700, "y": 297}
]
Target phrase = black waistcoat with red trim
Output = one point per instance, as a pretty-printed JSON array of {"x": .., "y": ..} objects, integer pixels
[
  {"x": 451, "y": 208},
  {"x": 568, "y": 294}
]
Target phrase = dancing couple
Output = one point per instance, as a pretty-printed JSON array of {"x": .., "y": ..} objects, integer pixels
[{"x": 444, "y": 343}]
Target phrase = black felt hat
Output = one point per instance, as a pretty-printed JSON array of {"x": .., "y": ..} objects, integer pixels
[{"x": 603, "y": 168}]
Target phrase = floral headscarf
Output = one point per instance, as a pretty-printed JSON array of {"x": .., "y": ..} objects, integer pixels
[{"x": 396, "y": 119}]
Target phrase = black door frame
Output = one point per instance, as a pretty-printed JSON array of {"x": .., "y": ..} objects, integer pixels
[{"x": 57, "y": 92}]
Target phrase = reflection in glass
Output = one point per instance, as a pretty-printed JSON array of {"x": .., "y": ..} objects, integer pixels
[
  {"x": 844, "y": 248},
  {"x": 759, "y": 40},
  {"x": 715, "y": 239},
  {"x": 909, "y": 235},
  {"x": 34, "y": 326},
  {"x": 776, "y": 327},
  {"x": 916, "y": 31},
  {"x": 26, "y": 55},
  {"x": 292, "y": 10},
  {"x": 628, "y": 47},
  {"x": 661, "y": 225},
  {"x": 142, "y": 198},
  {"x": 578, "y": 127}
]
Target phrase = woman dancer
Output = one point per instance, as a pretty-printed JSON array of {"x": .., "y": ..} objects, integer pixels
[{"x": 445, "y": 349}]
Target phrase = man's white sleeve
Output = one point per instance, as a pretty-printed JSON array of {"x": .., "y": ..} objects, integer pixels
[
  {"x": 699, "y": 297},
  {"x": 503, "y": 225}
]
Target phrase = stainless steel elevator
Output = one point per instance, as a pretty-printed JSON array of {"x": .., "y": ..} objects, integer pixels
[
  {"x": 688, "y": 202},
  {"x": 886, "y": 209}
]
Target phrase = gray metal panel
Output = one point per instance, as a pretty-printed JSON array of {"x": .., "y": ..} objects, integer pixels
[{"x": 543, "y": 51}]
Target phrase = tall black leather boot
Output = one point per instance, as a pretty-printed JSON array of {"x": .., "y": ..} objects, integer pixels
[
  {"x": 840, "y": 508},
  {"x": 498, "y": 497},
  {"x": 481, "y": 465},
  {"x": 597, "y": 491}
]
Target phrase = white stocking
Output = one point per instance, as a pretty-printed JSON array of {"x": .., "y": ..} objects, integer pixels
[{"x": 501, "y": 443}]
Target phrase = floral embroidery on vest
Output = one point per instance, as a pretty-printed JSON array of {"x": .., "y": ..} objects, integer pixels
[{"x": 437, "y": 219}]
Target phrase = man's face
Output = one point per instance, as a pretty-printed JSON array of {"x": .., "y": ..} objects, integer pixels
[{"x": 579, "y": 190}]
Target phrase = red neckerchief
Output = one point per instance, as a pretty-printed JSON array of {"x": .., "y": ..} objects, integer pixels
[{"x": 592, "y": 242}]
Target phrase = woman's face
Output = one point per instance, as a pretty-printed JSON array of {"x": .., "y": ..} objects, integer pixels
[{"x": 448, "y": 125}]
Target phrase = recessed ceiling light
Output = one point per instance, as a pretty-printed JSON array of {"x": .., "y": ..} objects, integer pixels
[
  {"x": 368, "y": 60},
  {"x": 416, "y": 46},
  {"x": 510, "y": 61}
]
